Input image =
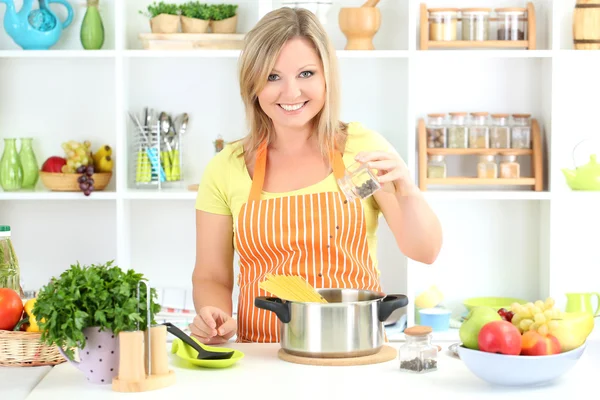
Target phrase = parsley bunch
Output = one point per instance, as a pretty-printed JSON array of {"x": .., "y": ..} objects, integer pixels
[{"x": 101, "y": 296}]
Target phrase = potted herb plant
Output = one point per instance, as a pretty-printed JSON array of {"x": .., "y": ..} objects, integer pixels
[
  {"x": 195, "y": 17},
  {"x": 85, "y": 308},
  {"x": 223, "y": 18},
  {"x": 164, "y": 17}
]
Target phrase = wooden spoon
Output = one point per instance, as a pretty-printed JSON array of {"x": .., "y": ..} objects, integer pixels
[{"x": 370, "y": 3}]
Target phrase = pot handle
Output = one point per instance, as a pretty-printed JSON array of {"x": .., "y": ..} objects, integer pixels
[
  {"x": 389, "y": 304},
  {"x": 282, "y": 310}
]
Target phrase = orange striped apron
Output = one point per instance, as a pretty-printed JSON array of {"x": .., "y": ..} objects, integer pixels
[{"x": 321, "y": 237}]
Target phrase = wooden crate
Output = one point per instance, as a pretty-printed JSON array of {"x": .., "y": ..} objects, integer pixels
[
  {"x": 529, "y": 44},
  {"x": 192, "y": 41}
]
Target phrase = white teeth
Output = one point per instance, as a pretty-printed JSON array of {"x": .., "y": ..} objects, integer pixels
[{"x": 291, "y": 107}]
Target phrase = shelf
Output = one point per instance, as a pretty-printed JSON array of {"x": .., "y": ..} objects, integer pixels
[
  {"x": 48, "y": 195},
  {"x": 486, "y": 53},
  {"x": 486, "y": 195},
  {"x": 477, "y": 44},
  {"x": 57, "y": 53},
  {"x": 236, "y": 53},
  {"x": 480, "y": 152},
  {"x": 480, "y": 181},
  {"x": 164, "y": 194}
]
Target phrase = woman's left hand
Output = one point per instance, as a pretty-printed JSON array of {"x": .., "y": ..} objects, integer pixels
[{"x": 390, "y": 168}]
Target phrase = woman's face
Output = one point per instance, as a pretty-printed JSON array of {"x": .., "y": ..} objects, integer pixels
[{"x": 295, "y": 90}]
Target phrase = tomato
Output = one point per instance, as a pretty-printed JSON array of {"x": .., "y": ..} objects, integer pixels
[{"x": 11, "y": 309}]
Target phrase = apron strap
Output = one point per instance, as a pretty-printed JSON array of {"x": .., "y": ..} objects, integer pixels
[{"x": 260, "y": 167}]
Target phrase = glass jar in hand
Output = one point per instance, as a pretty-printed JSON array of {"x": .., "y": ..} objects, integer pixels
[{"x": 359, "y": 182}]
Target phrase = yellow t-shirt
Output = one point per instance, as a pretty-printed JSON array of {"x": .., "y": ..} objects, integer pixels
[{"x": 225, "y": 184}]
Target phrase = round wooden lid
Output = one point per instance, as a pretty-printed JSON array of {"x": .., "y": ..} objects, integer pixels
[
  {"x": 476, "y": 10},
  {"x": 480, "y": 114},
  {"x": 418, "y": 330},
  {"x": 521, "y": 115},
  {"x": 499, "y": 115},
  {"x": 436, "y": 115},
  {"x": 458, "y": 114},
  {"x": 443, "y": 9},
  {"x": 511, "y": 9}
]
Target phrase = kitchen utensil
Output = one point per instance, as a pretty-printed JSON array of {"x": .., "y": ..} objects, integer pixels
[
  {"x": 582, "y": 302},
  {"x": 585, "y": 176},
  {"x": 350, "y": 324},
  {"x": 188, "y": 354},
  {"x": 202, "y": 353},
  {"x": 521, "y": 371},
  {"x": 359, "y": 25},
  {"x": 494, "y": 302},
  {"x": 370, "y": 3}
]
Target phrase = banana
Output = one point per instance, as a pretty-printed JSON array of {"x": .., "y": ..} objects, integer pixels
[
  {"x": 105, "y": 150},
  {"x": 104, "y": 164}
]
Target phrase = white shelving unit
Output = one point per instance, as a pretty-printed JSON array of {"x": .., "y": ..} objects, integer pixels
[{"x": 496, "y": 243}]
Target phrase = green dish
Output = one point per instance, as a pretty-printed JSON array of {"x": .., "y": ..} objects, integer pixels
[
  {"x": 494, "y": 302},
  {"x": 187, "y": 353}
]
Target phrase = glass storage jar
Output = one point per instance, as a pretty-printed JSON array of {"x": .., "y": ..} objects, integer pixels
[
  {"x": 458, "y": 131},
  {"x": 479, "y": 131},
  {"x": 487, "y": 168},
  {"x": 417, "y": 354},
  {"x": 509, "y": 167},
  {"x": 359, "y": 182},
  {"x": 500, "y": 132},
  {"x": 475, "y": 23},
  {"x": 10, "y": 273},
  {"x": 436, "y": 167},
  {"x": 443, "y": 23},
  {"x": 436, "y": 131},
  {"x": 511, "y": 23},
  {"x": 521, "y": 131}
]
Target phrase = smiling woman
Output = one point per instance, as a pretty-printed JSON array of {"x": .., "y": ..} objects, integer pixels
[{"x": 274, "y": 195}]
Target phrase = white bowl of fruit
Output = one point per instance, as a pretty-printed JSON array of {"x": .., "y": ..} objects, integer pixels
[{"x": 530, "y": 344}]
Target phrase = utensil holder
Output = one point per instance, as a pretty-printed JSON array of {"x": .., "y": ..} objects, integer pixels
[{"x": 143, "y": 360}]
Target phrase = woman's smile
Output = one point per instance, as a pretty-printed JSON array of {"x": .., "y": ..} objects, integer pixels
[{"x": 292, "y": 109}]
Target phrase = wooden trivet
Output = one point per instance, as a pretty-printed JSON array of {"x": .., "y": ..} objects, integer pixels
[{"x": 386, "y": 353}]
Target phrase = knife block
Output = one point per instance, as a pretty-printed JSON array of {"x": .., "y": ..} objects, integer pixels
[{"x": 143, "y": 361}]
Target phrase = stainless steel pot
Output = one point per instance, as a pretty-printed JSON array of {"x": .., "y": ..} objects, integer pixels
[{"x": 350, "y": 324}]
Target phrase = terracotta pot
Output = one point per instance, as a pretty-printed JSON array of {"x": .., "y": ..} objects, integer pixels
[
  {"x": 359, "y": 25},
  {"x": 165, "y": 23},
  {"x": 228, "y": 25},
  {"x": 194, "y": 25}
]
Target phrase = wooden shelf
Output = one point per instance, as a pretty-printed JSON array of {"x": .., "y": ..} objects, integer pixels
[
  {"x": 479, "y": 152},
  {"x": 529, "y": 44},
  {"x": 479, "y": 181}
]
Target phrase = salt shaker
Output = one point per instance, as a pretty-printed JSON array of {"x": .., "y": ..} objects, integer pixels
[
  {"x": 418, "y": 355},
  {"x": 359, "y": 182}
]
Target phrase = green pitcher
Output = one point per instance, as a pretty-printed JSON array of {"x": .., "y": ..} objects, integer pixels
[
  {"x": 29, "y": 163},
  {"x": 582, "y": 302},
  {"x": 11, "y": 171}
]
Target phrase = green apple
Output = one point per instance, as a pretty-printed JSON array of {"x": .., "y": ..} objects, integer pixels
[{"x": 477, "y": 318}]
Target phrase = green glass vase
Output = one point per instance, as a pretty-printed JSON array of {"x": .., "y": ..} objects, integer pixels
[
  {"x": 29, "y": 164},
  {"x": 11, "y": 171},
  {"x": 92, "y": 28}
]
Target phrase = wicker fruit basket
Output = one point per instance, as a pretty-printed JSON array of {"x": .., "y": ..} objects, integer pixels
[
  {"x": 60, "y": 182},
  {"x": 24, "y": 349}
]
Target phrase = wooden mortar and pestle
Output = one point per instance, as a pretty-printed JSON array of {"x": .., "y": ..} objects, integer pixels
[{"x": 360, "y": 24}]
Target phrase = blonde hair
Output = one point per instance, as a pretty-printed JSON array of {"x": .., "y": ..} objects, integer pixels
[{"x": 261, "y": 48}]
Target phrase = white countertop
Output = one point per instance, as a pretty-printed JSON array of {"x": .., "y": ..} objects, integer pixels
[{"x": 261, "y": 374}]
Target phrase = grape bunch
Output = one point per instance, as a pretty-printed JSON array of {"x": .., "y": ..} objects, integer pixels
[
  {"x": 539, "y": 316},
  {"x": 505, "y": 314},
  {"x": 86, "y": 182},
  {"x": 77, "y": 155}
]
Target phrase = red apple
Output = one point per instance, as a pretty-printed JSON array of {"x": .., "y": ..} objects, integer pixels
[
  {"x": 535, "y": 344},
  {"x": 54, "y": 164},
  {"x": 500, "y": 337}
]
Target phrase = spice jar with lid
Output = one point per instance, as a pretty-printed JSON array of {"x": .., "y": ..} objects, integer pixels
[
  {"x": 359, "y": 182},
  {"x": 521, "y": 131},
  {"x": 436, "y": 167},
  {"x": 443, "y": 24},
  {"x": 511, "y": 23},
  {"x": 418, "y": 354},
  {"x": 10, "y": 273},
  {"x": 458, "y": 131},
  {"x": 487, "y": 168},
  {"x": 509, "y": 167},
  {"x": 475, "y": 23},
  {"x": 436, "y": 131},
  {"x": 479, "y": 131},
  {"x": 500, "y": 132}
]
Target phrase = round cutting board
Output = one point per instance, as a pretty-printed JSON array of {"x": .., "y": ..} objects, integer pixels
[{"x": 386, "y": 353}]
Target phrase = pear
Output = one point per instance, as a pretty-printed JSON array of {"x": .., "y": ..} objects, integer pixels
[
  {"x": 572, "y": 329},
  {"x": 475, "y": 320}
]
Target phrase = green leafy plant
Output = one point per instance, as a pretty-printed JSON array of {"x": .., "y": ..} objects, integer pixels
[
  {"x": 155, "y": 9},
  {"x": 195, "y": 9},
  {"x": 220, "y": 12},
  {"x": 99, "y": 295}
]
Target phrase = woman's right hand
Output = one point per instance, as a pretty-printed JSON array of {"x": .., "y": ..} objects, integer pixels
[{"x": 213, "y": 326}]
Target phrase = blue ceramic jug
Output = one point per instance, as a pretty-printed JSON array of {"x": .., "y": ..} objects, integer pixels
[{"x": 37, "y": 29}]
